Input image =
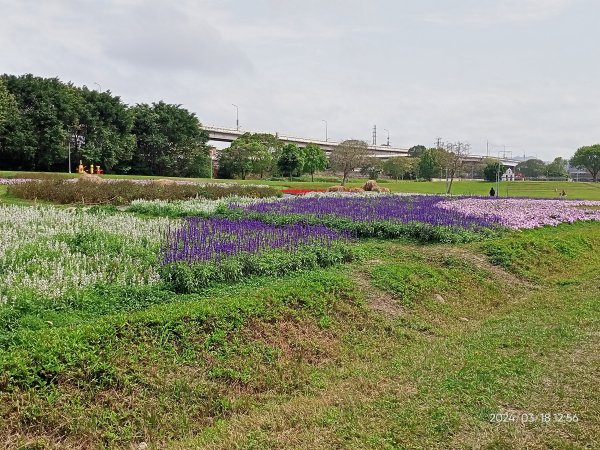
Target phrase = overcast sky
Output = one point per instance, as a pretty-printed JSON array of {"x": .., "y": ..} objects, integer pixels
[{"x": 524, "y": 74}]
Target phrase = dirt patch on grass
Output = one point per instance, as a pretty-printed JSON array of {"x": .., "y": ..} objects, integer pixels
[
  {"x": 377, "y": 299},
  {"x": 294, "y": 339}
]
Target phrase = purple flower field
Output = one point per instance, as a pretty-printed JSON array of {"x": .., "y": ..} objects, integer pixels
[
  {"x": 394, "y": 208},
  {"x": 214, "y": 239},
  {"x": 518, "y": 213}
]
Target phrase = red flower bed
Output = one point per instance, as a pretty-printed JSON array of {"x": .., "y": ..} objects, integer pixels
[{"x": 301, "y": 191}]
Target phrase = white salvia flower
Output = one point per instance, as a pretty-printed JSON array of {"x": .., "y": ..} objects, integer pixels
[{"x": 38, "y": 250}]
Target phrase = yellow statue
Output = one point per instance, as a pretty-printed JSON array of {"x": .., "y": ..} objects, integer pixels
[{"x": 81, "y": 168}]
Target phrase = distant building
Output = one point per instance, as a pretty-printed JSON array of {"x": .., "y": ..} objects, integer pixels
[
  {"x": 508, "y": 175},
  {"x": 576, "y": 174}
]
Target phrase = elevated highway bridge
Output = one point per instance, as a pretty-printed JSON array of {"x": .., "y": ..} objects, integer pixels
[{"x": 220, "y": 134}]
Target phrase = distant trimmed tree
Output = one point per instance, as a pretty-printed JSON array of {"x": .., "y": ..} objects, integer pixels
[
  {"x": 347, "y": 156},
  {"x": 588, "y": 158}
]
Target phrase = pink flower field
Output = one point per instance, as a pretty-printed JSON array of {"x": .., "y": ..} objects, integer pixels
[{"x": 519, "y": 213}]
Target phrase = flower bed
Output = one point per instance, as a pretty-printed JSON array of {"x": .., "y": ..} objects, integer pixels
[
  {"x": 375, "y": 215},
  {"x": 518, "y": 213},
  {"x": 47, "y": 253},
  {"x": 301, "y": 191},
  {"x": 205, "y": 251},
  {"x": 96, "y": 190},
  {"x": 396, "y": 208},
  {"x": 217, "y": 238}
]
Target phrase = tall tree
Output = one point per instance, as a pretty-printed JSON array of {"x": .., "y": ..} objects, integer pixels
[
  {"x": 249, "y": 153},
  {"x": 532, "y": 168},
  {"x": 454, "y": 161},
  {"x": 492, "y": 170},
  {"x": 372, "y": 167},
  {"x": 416, "y": 151},
  {"x": 168, "y": 140},
  {"x": 557, "y": 168},
  {"x": 9, "y": 123},
  {"x": 588, "y": 158},
  {"x": 399, "y": 166},
  {"x": 347, "y": 156},
  {"x": 314, "y": 160},
  {"x": 105, "y": 125},
  {"x": 430, "y": 163},
  {"x": 8, "y": 104},
  {"x": 291, "y": 160},
  {"x": 47, "y": 109}
]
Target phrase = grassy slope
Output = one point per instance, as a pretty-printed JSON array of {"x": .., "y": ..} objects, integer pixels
[
  {"x": 547, "y": 189},
  {"x": 358, "y": 356}
]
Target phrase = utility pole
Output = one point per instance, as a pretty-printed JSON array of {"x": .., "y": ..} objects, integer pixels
[
  {"x": 374, "y": 134},
  {"x": 438, "y": 143},
  {"x": 237, "y": 117},
  {"x": 325, "y": 129},
  {"x": 388, "y": 137}
]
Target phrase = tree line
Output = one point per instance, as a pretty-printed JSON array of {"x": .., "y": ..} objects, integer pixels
[
  {"x": 42, "y": 120},
  {"x": 261, "y": 154}
]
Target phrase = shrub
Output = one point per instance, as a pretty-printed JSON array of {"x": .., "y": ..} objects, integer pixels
[{"x": 120, "y": 192}]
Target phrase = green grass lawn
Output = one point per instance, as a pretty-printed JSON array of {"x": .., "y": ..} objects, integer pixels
[
  {"x": 543, "y": 189},
  {"x": 414, "y": 346}
]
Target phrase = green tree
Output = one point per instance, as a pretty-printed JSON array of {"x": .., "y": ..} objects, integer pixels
[
  {"x": 557, "y": 168},
  {"x": 314, "y": 160},
  {"x": 588, "y": 158},
  {"x": 431, "y": 163},
  {"x": 290, "y": 160},
  {"x": 532, "y": 168},
  {"x": 347, "y": 156},
  {"x": 372, "y": 167},
  {"x": 399, "y": 167},
  {"x": 492, "y": 169},
  {"x": 105, "y": 123},
  {"x": 9, "y": 123},
  {"x": 235, "y": 161},
  {"x": 169, "y": 140},
  {"x": 249, "y": 153},
  {"x": 416, "y": 151},
  {"x": 47, "y": 110},
  {"x": 8, "y": 104}
]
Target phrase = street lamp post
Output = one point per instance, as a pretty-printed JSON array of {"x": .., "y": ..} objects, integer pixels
[
  {"x": 99, "y": 87},
  {"x": 237, "y": 117},
  {"x": 388, "y": 137},
  {"x": 325, "y": 129}
]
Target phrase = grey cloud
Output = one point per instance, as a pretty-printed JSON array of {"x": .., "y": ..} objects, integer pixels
[{"x": 160, "y": 37}]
